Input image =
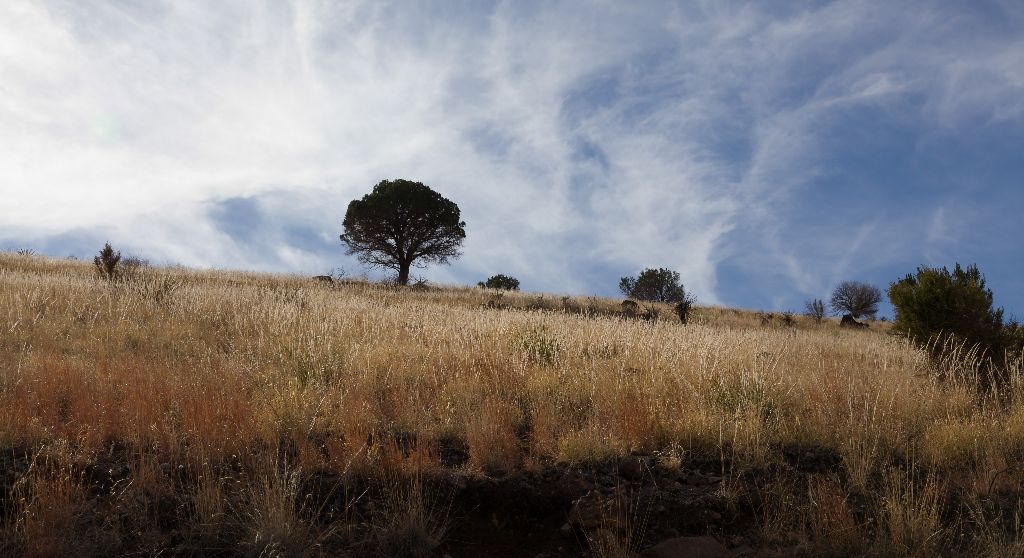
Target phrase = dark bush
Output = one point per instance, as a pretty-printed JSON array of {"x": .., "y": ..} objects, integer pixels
[
  {"x": 936, "y": 306},
  {"x": 654, "y": 285},
  {"x": 107, "y": 262},
  {"x": 500, "y": 281}
]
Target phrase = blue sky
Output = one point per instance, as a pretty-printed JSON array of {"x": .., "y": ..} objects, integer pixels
[{"x": 765, "y": 150}]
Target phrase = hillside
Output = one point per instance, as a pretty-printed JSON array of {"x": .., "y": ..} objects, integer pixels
[{"x": 189, "y": 412}]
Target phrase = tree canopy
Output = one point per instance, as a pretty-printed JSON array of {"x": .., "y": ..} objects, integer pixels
[
  {"x": 500, "y": 281},
  {"x": 654, "y": 285},
  {"x": 401, "y": 224},
  {"x": 939, "y": 303},
  {"x": 856, "y": 298}
]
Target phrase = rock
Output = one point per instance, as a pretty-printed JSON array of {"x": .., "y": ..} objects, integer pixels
[
  {"x": 631, "y": 469},
  {"x": 849, "y": 321},
  {"x": 688, "y": 547}
]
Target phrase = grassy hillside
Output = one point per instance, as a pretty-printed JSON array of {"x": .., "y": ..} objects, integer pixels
[{"x": 191, "y": 412}]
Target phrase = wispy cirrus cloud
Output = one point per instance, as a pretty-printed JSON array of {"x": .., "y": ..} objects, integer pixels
[{"x": 766, "y": 150}]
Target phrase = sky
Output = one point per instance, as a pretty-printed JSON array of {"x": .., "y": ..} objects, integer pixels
[{"x": 764, "y": 150}]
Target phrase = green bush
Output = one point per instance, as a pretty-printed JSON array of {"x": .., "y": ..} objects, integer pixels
[
  {"x": 504, "y": 282},
  {"x": 654, "y": 285},
  {"x": 936, "y": 306}
]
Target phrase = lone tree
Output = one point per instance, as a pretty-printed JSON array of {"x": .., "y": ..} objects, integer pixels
[
  {"x": 503, "y": 282},
  {"x": 401, "y": 224},
  {"x": 856, "y": 299},
  {"x": 659, "y": 285}
]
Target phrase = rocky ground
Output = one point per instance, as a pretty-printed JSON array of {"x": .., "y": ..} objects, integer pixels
[{"x": 640, "y": 505}]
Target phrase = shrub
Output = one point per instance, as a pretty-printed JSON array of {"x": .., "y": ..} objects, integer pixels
[
  {"x": 504, "y": 282},
  {"x": 856, "y": 299},
  {"x": 937, "y": 305},
  {"x": 815, "y": 310},
  {"x": 683, "y": 308},
  {"x": 131, "y": 267},
  {"x": 654, "y": 285},
  {"x": 107, "y": 262},
  {"x": 659, "y": 285}
]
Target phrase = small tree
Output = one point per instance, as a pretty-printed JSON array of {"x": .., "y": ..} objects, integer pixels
[
  {"x": 815, "y": 310},
  {"x": 654, "y": 285},
  {"x": 856, "y": 299},
  {"x": 107, "y": 262},
  {"x": 401, "y": 224},
  {"x": 937, "y": 303},
  {"x": 659, "y": 285},
  {"x": 503, "y": 282}
]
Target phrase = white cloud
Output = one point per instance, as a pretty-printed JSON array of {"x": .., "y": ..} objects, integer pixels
[{"x": 612, "y": 136}]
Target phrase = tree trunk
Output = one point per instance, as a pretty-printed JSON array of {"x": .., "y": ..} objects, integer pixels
[{"x": 403, "y": 272}]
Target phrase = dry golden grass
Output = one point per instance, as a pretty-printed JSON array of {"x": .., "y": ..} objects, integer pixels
[{"x": 199, "y": 368}]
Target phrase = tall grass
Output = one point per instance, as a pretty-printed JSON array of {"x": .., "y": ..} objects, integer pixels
[{"x": 206, "y": 369}]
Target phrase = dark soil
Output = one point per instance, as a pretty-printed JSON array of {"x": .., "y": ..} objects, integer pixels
[{"x": 554, "y": 510}]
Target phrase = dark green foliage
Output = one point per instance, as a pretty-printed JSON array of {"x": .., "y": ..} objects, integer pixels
[
  {"x": 654, "y": 285},
  {"x": 659, "y": 285},
  {"x": 401, "y": 224},
  {"x": 815, "y": 310},
  {"x": 856, "y": 299},
  {"x": 683, "y": 308},
  {"x": 500, "y": 281},
  {"x": 938, "y": 305},
  {"x": 107, "y": 262}
]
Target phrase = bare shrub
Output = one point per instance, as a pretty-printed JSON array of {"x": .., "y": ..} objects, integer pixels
[{"x": 815, "y": 310}]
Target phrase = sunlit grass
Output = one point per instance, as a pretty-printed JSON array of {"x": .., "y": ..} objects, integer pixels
[{"x": 200, "y": 368}]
